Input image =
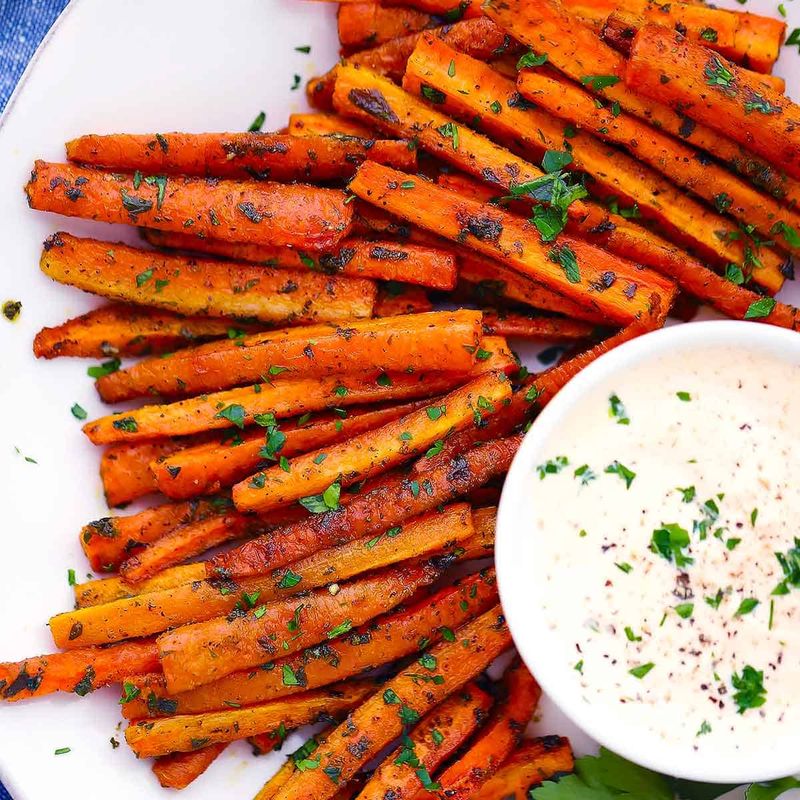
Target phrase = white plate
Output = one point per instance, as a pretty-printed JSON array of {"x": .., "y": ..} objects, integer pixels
[{"x": 108, "y": 66}]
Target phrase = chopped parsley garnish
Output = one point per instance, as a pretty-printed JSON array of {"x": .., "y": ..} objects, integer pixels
[
  {"x": 552, "y": 467},
  {"x": 684, "y": 610},
  {"x": 599, "y": 82},
  {"x": 641, "y": 670},
  {"x": 686, "y": 397},
  {"x": 790, "y": 564},
  {"x": 321, "y": 503},
  {"x": 615, "y": 468},
  {"x": 78, "y": 411},
  {"x": 258, "y": 123},
  {"x": 234, "y": 413},
  {"x": 565, "y": 256},
  {"x": 449, "y": 131},
  {"x": 760, "y": 308},
  {"x": 688, "y": 493},
  {"x": 531, "y": 59},
  {"x": 749, "y": 686},
  {"x": 669, "y": 541},
  {"x": 585, "y": 474},
  {"x": 106, "y": 368},
  {"x": 717, "y": 74},
  {"x": 616, "y": 410},
  {"x": 746, "y": 606},
  {"x": 716, "y": 600}
]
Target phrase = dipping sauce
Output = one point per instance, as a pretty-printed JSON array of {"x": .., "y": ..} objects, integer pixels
[{"x": 668, "y": 510}]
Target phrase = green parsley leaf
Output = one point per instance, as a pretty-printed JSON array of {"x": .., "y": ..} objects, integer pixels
[
  {"x": 78, "y": 411},
  {"x": 641, "y": 670},
  {"x": 258, "y": 123},
  {"x": 599, "y": 82},
  {"x": 670, "y": 541},
  {"x": 615, "y": 468},
  {"x": 760, "y": 308},
  {"x": 234, "y": 413},
  {"x": 531, "y": 59},
  {"x": 749, "y": 686}
]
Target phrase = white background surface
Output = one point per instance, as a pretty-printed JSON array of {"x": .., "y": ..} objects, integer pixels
[{"x": 109, "y": 66}]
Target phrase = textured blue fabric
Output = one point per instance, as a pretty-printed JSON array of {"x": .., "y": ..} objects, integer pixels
[{"x": 23, "y": 24}]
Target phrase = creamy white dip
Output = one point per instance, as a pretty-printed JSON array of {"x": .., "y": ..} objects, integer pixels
[{"x": 667, "y": 505}]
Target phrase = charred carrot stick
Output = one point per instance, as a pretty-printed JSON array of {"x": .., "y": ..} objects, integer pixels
[
  {"x": 444, "y": 532},
  {"x": 373, "y": 452},
  {"x": 535, "y": 327},
  {"x": 535, "y": 761},
  {"x": 681, "y": 163},
  {"x": 207, "y": 467},
  {"x": 710, "y": 89},
  {"x": 499, "y": 738},
  {"x": 480, "y": 38},
  {"x": 570, "y": 266},
  {"x": 420, "y": 342},
  {"x": 577, "y": 51},
  {"x": 368, "y": 24},
  {"x": 437, "y": 736},
  {"x": 274, "y": 157},
  {"x": 185, "y": 734},
  {"x": 178, "y": 770},
  {"x": 326, "y": 125},
  {"x": 614, "y": 171},
  {"x": 204, "y": 286},
  {"x": 125, "y": 469},
  {"x": 107, "y": 542},
  {"x": 206, "y": 651},
  {"x": 392, "y": 636},
  {"x": 392, "y": 501},
  {"x": 122, "y": 330},
  {"x": 281, "y": 398},
  {"x": 274, "y": 213},
  {"x": 394, "y": 299},
  {"x": 401, "y": 702},
  {"x": 80, "y": 671},
  {"x": 382, "y": 260}
]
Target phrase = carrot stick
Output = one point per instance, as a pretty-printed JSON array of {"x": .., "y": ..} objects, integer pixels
[
  {"x": 498, "y": 739},
  {"x": 710, "y": 89},
  {"x": 203, "y": 286},
  {"x": 282, "y": 397},
  {"x": 262, "y": 156},
  {"x": 125, "y": 470},
  {"x": 614, "y": 172},
  {"x": 522, "y": 326},
  {"x": 206, "y": 651},
  {"x": 272, "y": 213},
  {"x": 80, "y": 671},
  {"x": 107, "y": 542},
  {"x": 155, "y": 611},
  {"x": 178, "y": 770},
  {"x": 373, "y": 452},
  {"x": 494, "y": 283},
  {"x": 368, "y": 24},
  {"x": 185, "y": 734},
  {"x": 577, "y": 51},
  {"x": 570, "y": 266},
  {"x": 207, "y": 467},
  {"x": 121, "y": 330},
  {"x": 325, "y": 125},
  {"x": 394, "y": 299},
  {"x": 535, "y": 761},
  {"x": 383, "y": 260},
  {"x": 439, "y": 340},
  {"x": 391, "y": 501},
  {"x": 402, "y": 702},
  {"x": 392, "y": 636},
  {"x": 682, "y": 164},
  {"x": 431, "y": 742},
  {"x": 289, "y": 767}
]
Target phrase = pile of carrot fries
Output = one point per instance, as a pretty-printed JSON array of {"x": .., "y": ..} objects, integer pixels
[{"x": 322, "y": 447}]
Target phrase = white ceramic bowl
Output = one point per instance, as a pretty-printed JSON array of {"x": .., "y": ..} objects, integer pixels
[{"x": 516, "y": 549}]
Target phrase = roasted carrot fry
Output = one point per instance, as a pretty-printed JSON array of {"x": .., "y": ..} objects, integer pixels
[
  {"x": 289, "y": 767},
  {"x": 325, "y": 125},
  {"x": 444, "y": 8},
  {"x": 439, "y": 340},
  {"x": 125, "y": 469},
  {"x": 121, "y": 330},
  {"x": 678, "y": 162},
  {"x": 710, "y": 89},
  {"x": 432, "y": 741},
  {"x": 204, "y": 286},
  {"x": 373, "y": 452},
  {"x": 178, "y": 770},
  {"x": 494, "y": 283},
  {"x": 151, "y": 612},
  {"x": 185, "y": 734},
  {"x": 577, "y": 51},
  {"x": 392, "y": 501},
  {"x": 275, "y": 157},
  {"x": 280, "y": 397},
  {"x": 206, "y": 651},
  {"x": 107, "y": 542},
  {"x": 382, "y": 260},
  {"x": 614, "y": 172},
  {"x": 273, "y": 213},
  {"x": 368, "y": 24},
  {"x": 394, "y": 299},
  {"x": 80, "y": 671},
  {"x": 570, "y": 266},
  {"x": 207, "y": 467},
  {"x": 382, "y": 717},
  {"x": 497, "y": 740},
  {"x": 392, "y": 636},
  {"x": 522, "y": 326},
  {"x": 536, "y": 761}
]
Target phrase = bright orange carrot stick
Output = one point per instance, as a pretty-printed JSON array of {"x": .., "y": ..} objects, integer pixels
[
  {"x": 367, "y": 24},
  {"x": 373, "y": 452},
  {"x": 396, "y": 299},
  {"x": 325, "y": 125},
  {"x": 273, "y": 213},
  {"x": 535, "y": 327},
  {"x": 178, "y": 770},
  {"x": 125, "y": 469}
]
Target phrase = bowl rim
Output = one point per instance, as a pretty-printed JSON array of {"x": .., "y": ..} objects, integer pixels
[{"x": 528, "y": 632}]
